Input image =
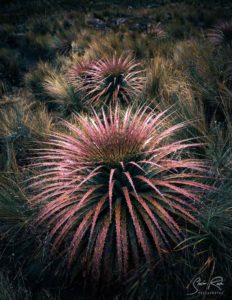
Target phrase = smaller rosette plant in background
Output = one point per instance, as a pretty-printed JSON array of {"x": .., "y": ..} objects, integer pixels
[
  {"x": 108, "y": 81},
  {"x": 221, "y": 35},
  {"x": 117, "y": 190},
  {"x": 157, "y": 31}
]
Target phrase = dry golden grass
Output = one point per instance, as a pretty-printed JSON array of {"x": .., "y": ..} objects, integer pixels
[{"x": 23, "y": 123}]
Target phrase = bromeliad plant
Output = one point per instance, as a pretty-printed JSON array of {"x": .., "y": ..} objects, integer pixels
[
  {"x": 221, "y": 35},
  {"x": 117, "y": 188},
  {"x": 111, "y": 80},
  {"x": 157, "y": 31}
]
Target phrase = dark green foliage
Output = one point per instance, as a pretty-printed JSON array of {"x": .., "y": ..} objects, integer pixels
[
  {"x": 34, "y": 81},
  {"x": 11, "y": 66},
  {"x": 13, "y": 291}
]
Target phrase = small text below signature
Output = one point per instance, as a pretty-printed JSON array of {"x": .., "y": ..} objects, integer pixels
[{"x": 201, "y": 286}]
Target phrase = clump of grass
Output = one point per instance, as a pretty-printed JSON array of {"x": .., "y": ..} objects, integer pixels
[
  {"x": 219, "y": 148},
  {"x": 49, "y": 84},
  {"x": 61, "y": 92},
  {"x": 159, "y": 72},
  {"x": 205, "y": 253},
  {"x": 22, "y": 125},
  {"x": 204, "y": 71},
  {"x": 140, "y": 44},
  {"x": 213, "y": 242},
  {"x": 34, "y": 80},
  {"x": 23, "y": 255},
  {"x": 104, "y": 46}
]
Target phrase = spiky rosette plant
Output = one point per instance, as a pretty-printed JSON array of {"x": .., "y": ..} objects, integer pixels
[
  {"x": 115, "y": 191},
  {"x": 157, "y": 31},
  {"x": 110, "y": 80},
  {"x": 221, "y": 35}
]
